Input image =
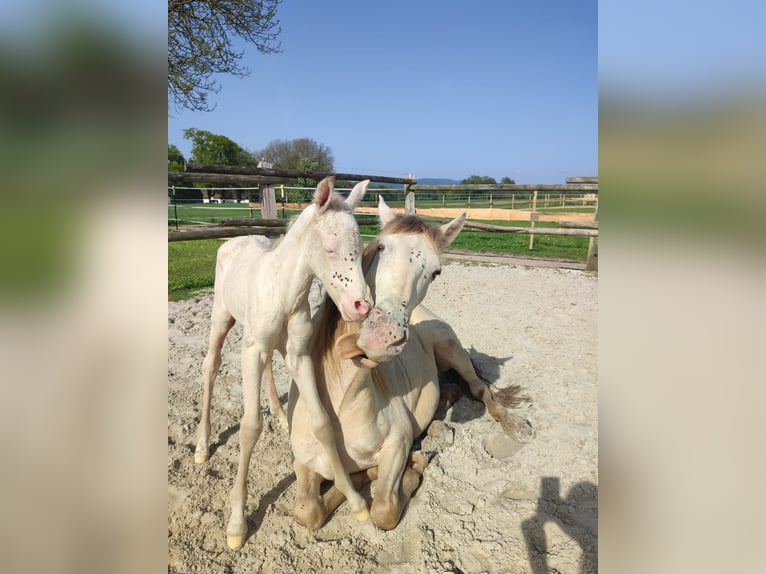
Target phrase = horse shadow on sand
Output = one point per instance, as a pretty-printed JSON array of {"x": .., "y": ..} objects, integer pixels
[
  {"x": 453, "y": 388},
  {"x": 576, "y": 515}
]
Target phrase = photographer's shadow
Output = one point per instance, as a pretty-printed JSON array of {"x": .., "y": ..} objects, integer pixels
[{"x": 576, "y": 515}]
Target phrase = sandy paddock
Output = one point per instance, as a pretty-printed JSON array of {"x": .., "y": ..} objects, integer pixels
[{"x": 485, "y": 504}]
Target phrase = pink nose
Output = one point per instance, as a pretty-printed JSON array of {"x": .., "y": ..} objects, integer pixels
[
  {"x": 361, "y": 307},
  {"x": 375, "y": 315}
]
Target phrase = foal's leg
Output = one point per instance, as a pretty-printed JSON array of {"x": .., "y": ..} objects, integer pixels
[
  {"x": 388, "y": 502},
  {"x": 302, "y": 371},
  {"x": 309, "y": 509},
  {"x": 298, "y": 359},
  {"x": 312, "y": 509},
  {"x": 254, "y": 361},
  {"x": 409, "y": 484},
  {"x": 450, "y": 354},
  {"x": 274, "y": 405},
  {"x": 220, "y": 324}
]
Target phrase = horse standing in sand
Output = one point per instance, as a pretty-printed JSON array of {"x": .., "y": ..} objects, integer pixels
[
  {"x": 266, "y": 288},
  {"x": 379, "y": 381}
]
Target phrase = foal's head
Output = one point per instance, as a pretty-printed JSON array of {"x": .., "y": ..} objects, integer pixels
[
  {"x": 399, "y": 267},
  {"x": 334, "y": 248}
]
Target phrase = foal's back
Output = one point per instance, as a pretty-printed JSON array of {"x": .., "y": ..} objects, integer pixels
[{"x": 234, "y": 268}]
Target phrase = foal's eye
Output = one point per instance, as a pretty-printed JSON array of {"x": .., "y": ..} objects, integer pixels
[
  {"x": 381, "y": 247},
  {"x": 436, "y": 274}
]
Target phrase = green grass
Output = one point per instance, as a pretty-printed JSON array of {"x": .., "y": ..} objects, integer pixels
[
  {"x": 191, "y": 267},
  {"x": 191, "y": 264},
  {"x": 545, "y": 246}
]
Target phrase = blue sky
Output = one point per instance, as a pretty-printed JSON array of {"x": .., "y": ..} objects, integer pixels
[{"x": 439, "y": 89}]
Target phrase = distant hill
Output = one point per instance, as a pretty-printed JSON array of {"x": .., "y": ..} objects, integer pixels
[{"x": 437, "y": 181}]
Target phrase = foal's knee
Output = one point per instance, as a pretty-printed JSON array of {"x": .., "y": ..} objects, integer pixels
[
  {"x": 310, "y": 512},
  {"x": 251, "y": 428},
  {"x": 386, "y": 511}
]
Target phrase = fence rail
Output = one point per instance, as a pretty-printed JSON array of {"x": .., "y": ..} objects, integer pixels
[{"x": 535, "y": 204}]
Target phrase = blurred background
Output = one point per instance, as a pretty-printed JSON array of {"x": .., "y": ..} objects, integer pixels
[
  {"x": 82, "y": 286},
  {"x": 682, "y": 141}
]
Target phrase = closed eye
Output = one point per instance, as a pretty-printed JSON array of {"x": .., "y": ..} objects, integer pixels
[{"x": 328, "y": 249}]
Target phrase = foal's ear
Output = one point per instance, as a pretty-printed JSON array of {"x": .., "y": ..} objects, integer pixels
[
  {"x": 356, "y": 194},
  {"x": 449, "y": 231},
  {"x": 385, "y": 213},
  {"x": 324, "y": 190}
]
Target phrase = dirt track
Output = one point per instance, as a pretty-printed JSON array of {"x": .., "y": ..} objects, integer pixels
[{"x": 484, "y": 504}]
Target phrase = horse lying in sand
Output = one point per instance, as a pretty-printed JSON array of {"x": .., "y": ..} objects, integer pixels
[
  {"x": 379, "y": 380},
  {"x": 266, "y": 288}
]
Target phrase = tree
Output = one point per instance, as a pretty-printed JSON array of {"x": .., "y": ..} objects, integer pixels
[
  {"x": 308, "y": 164},
  {"x": 302, "y": 153},
  {"x": 508, "y": 180},
  {"x": 176, "y": 159},
  {"x": 208, "y": 147},
  {"x": 479, "y": 179},
  {"x": 200, "y": 34}
]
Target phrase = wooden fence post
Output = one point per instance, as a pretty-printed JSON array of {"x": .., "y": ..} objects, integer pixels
[
  {"x": 268, "y": 200},
  {"x": 591, "y": 263},
  {"x": 409, "y": 197},
  {"x": 409, "y": 203},
  {"x": 175, "y": 206},
  {"x": 532, "y": 220}
]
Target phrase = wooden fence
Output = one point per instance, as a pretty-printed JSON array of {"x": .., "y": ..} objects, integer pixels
[{"x": 571, "y": 223}]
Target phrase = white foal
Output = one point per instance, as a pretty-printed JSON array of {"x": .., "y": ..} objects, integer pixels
[{"x": 266, "y": 288}]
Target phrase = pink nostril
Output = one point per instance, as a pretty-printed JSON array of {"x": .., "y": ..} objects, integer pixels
[{"x": 361, "y": 307}]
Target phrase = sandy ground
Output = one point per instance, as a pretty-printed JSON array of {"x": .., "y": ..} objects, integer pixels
[{"x": 484, "y": 505}]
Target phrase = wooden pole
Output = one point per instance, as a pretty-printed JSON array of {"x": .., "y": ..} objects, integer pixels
[
  {"x": 270, "y": 173},
  {"x": 175, "y": 206},
  {"x": 511, "y": 187},
  {"x": 409, "y": 203},
  {"x": 409, "y": 196},
  {"x": 215, "y": 232},
  {"x": 591, "y": 263},
  {"x": 268, "y": 202},
  {"x": 532, "y": 221},
  {"x": 579, "y": 224},
  {"x": 232, "y": 222}
]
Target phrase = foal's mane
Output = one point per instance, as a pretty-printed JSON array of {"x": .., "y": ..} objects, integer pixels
[{"x": 330, "y": 326}]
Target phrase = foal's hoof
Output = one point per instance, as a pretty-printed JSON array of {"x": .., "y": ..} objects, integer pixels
[
  {"x": 201, "y": 458},
  {"x": 362, "y": 515},
  {"x": 515, "y": 426},
  {"x": 523, "y": 431},
  {"x": 235, "y": 541}
]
